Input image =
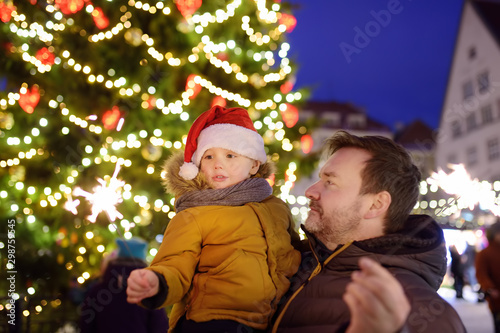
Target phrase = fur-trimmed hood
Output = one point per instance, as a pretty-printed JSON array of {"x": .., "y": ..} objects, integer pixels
[{"x": 177, "y": 186}]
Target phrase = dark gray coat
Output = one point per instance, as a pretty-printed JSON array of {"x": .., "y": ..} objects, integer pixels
[{"x": 416, "y": 256}]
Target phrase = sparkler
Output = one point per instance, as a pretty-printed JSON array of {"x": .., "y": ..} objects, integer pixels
[
  {"x": 104, "y": 198},
  {"x": 470, "y": 192}
]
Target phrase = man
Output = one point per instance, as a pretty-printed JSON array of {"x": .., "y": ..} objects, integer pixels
[
  {"x": 360, "y": 208},
  {"x": 488, "y": 272}
]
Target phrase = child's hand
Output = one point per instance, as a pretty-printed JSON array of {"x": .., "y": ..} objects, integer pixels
[{"x": 142, "y": 283}]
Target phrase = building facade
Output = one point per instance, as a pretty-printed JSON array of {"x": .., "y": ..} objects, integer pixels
[{"x": 469, "y": 130}]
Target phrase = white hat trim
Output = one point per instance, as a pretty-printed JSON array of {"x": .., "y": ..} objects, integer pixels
[{"x": 236, "y": 138}]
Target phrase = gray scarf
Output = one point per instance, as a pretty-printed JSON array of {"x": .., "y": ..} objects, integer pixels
[{"x": 249, "y": 190}]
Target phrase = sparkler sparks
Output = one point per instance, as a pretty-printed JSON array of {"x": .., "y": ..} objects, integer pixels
[
  {"x": 470, "y": 192},
  {"x": 71, "y": 205},
  {"x": 104, "y": 198}
]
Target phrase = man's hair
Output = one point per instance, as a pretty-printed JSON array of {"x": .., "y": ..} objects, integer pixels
[{"x": 389, "y": 169}]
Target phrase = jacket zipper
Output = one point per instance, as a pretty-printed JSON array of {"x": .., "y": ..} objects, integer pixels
[{"x": 316, "y": 271}]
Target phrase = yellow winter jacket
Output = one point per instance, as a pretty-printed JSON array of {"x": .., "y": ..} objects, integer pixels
[{"x": 228, "y": 262}]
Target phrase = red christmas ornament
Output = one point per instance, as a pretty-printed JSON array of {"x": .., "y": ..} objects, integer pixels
[
  {"x": 69, "y": 7},
  {"x": 271, "y": 179},
  {"x": 6, "y": 11},
  {"x": 29, "y": 99},
  {"x": 223, "y": 56},
  {"x": 111, "y": 118},
  {"x": 8, "y": 47},
  {"x": 190, "y": 84},
  {"x": 306, "y": 143},
  {"x": 289, "y": 21},
  {"x": 290, "y": 115},
  {"x": 151, "y": 103},
  {"x": 45, "y": 56},
  {"x": 286, "y": 87},
  {"x": 100, "y": 20},
  {"x": 217, "y": 100},
  {"x": 188, "y": 7}
]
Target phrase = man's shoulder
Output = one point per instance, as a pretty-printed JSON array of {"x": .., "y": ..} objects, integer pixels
[{"x": 433, "y": 314}]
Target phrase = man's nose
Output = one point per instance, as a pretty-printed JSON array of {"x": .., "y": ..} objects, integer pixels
[{"x": 312, "y": 192}]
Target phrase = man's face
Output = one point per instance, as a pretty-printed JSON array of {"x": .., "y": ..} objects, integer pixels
[{"x": 336, "y": 207}]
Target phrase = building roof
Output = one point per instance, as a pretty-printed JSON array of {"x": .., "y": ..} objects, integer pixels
[
  {"x": 416, "y": 135},
  {"x": 344, "y": 110},
  {"x": 489, "y": 11}
]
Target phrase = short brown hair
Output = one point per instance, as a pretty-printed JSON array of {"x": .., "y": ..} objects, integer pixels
[{"x": 390, "y": 169}]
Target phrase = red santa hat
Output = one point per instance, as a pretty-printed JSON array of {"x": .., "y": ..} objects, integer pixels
[{"x": 219, "y": 127}]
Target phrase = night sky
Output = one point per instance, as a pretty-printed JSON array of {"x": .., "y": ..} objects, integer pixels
[{"x": 390, "y": 57}]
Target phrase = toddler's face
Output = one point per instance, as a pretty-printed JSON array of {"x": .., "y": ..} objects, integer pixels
[{"x": 224, "y": 168}]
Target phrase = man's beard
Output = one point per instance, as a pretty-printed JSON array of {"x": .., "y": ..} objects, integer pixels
[{"x": 336, "y": 226}]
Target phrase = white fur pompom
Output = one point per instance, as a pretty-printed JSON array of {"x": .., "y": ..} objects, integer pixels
[{"x": 188, "y": 171}]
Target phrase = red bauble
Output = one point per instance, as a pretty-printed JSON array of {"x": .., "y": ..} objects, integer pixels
[
  {"x": 218, "y": 100},
  {"x": 45, "y": 56},
  {"x": 29, "y": 99},
  {"x": 69, "y": 7},
  {"x": 190, "y": 84},
  {"x": 289, "y": 21},
  {"x": 290, "y": 115},
  {"x": 188, "y": 7},
  {"x": 286, "y": 87},
  {"x": 100, "y": 20},
  {"x": 151, "y": 103},
  {"x": 306, "y": 143},
  {"x": 111, "y": 118},
  {"x": 223, "y": 56},
  {"x": 6, "y": 11}
]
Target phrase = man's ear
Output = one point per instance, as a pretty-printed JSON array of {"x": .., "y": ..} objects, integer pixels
[{"x": 380, "y": 205}]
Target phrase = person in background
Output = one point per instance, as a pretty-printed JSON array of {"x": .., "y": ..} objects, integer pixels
[
  {"x": 105, "y": 308},
  {"x": 488, "y": 272},
  {"x": 360, "y": 208},
  {"x": 457, "y": 271}
]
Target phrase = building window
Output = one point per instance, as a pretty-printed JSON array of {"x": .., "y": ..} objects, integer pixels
[
  {"x": 332, "y": 119},
  {"x": 468, "y": 90},
  {"x": 356, "y": 121},
  {"x": 471, "y": 156},
  {"x": 472, "y": 53},
  {"x": 487, "y": 115},
  {"x": 493, "y": 149},
  {"x": 456, "y": 129},
  {"x": 471, "y": 122},
  {"x": 483, "y": 82}
]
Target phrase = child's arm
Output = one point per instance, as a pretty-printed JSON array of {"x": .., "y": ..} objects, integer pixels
[{"x": 141, "y": 284}]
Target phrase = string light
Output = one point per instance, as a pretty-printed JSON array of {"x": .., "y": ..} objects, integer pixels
[{"x": 61, "y": 113}]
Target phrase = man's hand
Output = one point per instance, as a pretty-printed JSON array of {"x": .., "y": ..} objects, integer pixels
[
  {"x": 376, "y": 300},
  {"x": 142, "y": 283}
]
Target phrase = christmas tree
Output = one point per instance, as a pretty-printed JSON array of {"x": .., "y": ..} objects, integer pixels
[{"x": 95, "y": 95}]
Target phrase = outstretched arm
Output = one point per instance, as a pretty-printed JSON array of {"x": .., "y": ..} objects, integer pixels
[
  {"x": 376, "y": 300},
  {"x": 142, "y": 283}
]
